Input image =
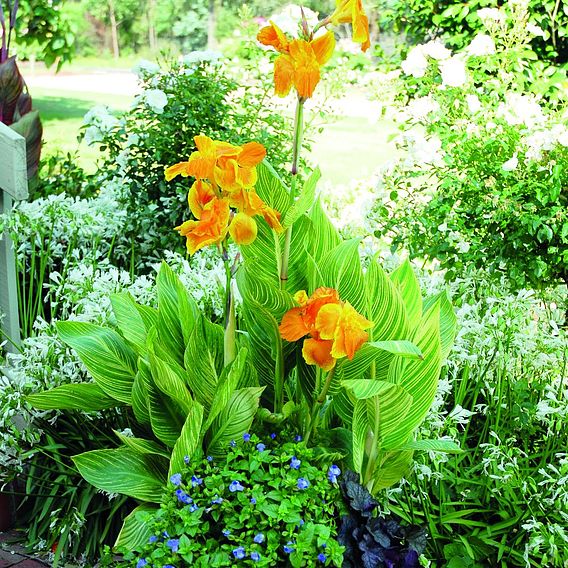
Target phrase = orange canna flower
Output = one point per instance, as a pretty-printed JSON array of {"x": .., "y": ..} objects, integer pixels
[
  {"x": 210, "y": 229},
  {"x": 238, "y": 170},
  {"x": 335, "y": 328},
  {"x": 243, "y": 229},
  {"x": 200, "y": 194},
  {"x": 352, "y": 12},
  {"x": 300, "y": 60},
  {"x": 251, "y": 204}
]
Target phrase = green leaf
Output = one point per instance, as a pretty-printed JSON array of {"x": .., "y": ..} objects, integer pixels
[
  {"x": 124, "y": 471},
  {"x": 226, "y": 387},
  {"x": 391, "y": 468},
  {"x": 364, "y": 388},
  {"x": 304, "y": 201},
  {"x": 171, "y": 381},
  {"x": 234, "y": 420},
  {"x": 325, "y": 236},
  {"x": 143, "y": 446},
  {"x": 140, "y": 399},
  {"x": 401, "y": 347},
  {"x": 131, "y": 323},
  {"x": 407, "y": 284},
  {"x": 108, "y": 358},
  {"x": 448, "y": 322},
  {"x": 446, "y": 446},
  {"x": 88, "y": 397},
  {"x": 189, "y": 440},
  {"x": 136, "y": 530}
]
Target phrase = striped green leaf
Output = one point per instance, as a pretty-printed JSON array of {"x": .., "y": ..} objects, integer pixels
[
  {"x": 107, "y": 356},
  {"x": 143, "y": 446},
  {"x": 446, "y": 446},
  {"x": 124, "y": 471},
  {"x": 341, "y": 269},
  {"x": 304, "y": 201},
  {"x": 88, "y": 397},
  {"x": 325, "y": 236},
  {"x": 189, "y": 440},
  {"x": 171, "y": 381},
  {"x": 400, "y": 347},
  {"x": 361, "y": 429},
  {"x": 129, "y": 319},
  {"x": 140, "y": 395},
  {"x": 136, "y": 529},
  {"x": 407, "y": 284},
  {"x": 391, "y": 468},
  {"x": 271, "y": 188},
  {"x": 234, "y": 420},
  {"x": 448, "y": 321}
]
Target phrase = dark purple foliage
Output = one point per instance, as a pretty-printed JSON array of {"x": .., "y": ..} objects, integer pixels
[{"x": 371, "y": 541}]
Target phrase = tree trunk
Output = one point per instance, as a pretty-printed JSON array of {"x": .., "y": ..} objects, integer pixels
[
  {"x": 113, "y": 29},
  {"x": 151, "y": 15}
]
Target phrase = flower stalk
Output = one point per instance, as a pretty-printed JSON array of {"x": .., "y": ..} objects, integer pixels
[{"x": 230, "y": 337}]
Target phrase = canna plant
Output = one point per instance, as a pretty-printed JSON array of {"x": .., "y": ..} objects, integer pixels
[
  {"x": 15, "y": 100},
  {"x": 347, "y": 357}
]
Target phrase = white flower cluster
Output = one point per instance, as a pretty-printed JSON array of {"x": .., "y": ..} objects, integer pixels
[{"x": 99, "y": 121}]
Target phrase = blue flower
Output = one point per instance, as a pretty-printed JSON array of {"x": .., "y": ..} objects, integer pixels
[
  {"x": 252, "y": 501},
  {"x": 235, "y": 486},
  {"x": 258, "y": 538},
  {"x": 239, "y": 553},
  {"x": 173, "y": 544},
  {"x": 169, "y": 566},
  {"x": 333, "y": 473},
  {"x": 226, "y": 532},
  {"x": 260, "y": 447},
  {"x": 153, "y": 539},
  {"x": 273, "y": 436},
  {"x": 255, "y": 556},
  {"x": 141, "y": 563},
  {"x": 303, "y": 483},
  {"x": 186, "y": 459},
  {"x": 297, "y": 438},
  {"x": 288, "y": 549},
  {"x": 209, "y": 458},
  {"x": 232, "y": 443},
  {"x": 246, "y": 437},
  {"x": 295, "y": 463},
  {"x": 322, "y": 557},
  {"x": 183, "y": 497},
  {"x": 217, "y": 501},
  {"x": 176, "y": 479},
  {"x": 193, "y": 508},
  {"x": 196, "y": 480}
]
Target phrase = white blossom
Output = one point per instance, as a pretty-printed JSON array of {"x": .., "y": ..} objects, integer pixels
[
  {"x": 436, "y": 50},
  {"x": 145, "y": 68},
  {"x": 511, "y": 164},
  {"x": 473, "y": 103},
  {"x": 415, "y": 63},
  {"x": 453, "y": 72},
  {"x": 481, "y": 45},
  {"x": 491, "y": 15},
  {"x": 156, "y": 99}
]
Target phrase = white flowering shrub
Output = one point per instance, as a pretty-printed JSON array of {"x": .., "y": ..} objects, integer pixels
[{"x": 482, "y": 175}]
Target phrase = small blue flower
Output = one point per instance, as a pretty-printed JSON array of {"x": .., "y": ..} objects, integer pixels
[
  {"x": 324, "y": 545},
  {"x": 176, "y": 479},
  {"x": 239, "y": 553},
  {"x": 196, "y": 480},
  {"x": 235, "y": 486},
  {"x": 193, "y": 508},
  {"x": 141, "y": 563},
  {"x": 232, "y": 443},
  {"x": 273, "y": 436},
  {"x": 298, "y": 438},
  {"x": 260, "y": 447},
  {"x": 322, "y": 557},
  {"x": 295, "y": 463},
  {"x": 209, "y": 458},
  {"x": 288, "y": 549},
  {"x": 252, "y": 501},
  {"x": 173, "y": 544},
  {"x": 153, "y": 539},
  {"x": 226, "y": 532},
  {"x": 255, "y": 556},
  {"x": 302, "y": 522},
  {"x": 333, "y": 473},
  {"x": 303, "y": 483},
  {"x": 165, "y": 534},
  {"x": 183, "y": 497},
  {"x": 217, "y": 501},
  {"x": 169, "y": 566},
  {"x": 258, "y": 538},
  {"x": 246, "y": 437},
  {"x": 186, "y": 459}
]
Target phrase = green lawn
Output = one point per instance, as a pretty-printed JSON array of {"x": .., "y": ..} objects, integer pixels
[{"x": 62, "y": 115}]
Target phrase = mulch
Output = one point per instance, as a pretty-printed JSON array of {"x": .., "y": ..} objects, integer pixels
[{"x": 13, "y": 554}]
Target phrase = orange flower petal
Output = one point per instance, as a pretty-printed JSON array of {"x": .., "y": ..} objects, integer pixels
[
  {"x": 272, "y": 217},
  {"x": 318, "y": 352},
  {"x": 283, "y": 75},
  {"x": 272, "y": 35},
  {"x": 349, "y": 334},
  {"x": 180, "y": 169},
  {"x": 301, "y": 298},
  {"x": 243, "y": 229},
  {"x": 200, "y": 194},
  {"x": 251, "y": 154},
  {"x": 323, "y": 47},
  {"x": 293, "y": 326},
  {"x": 306, "y": 68},
  {"x": 352, "y": 12},
  {"x": 327, "y": 319}
]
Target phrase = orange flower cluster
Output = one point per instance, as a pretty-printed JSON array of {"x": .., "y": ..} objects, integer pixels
[
  {"x": 335, "y": 328},
  {"x": 300, "y": 60},
  {"x": 225, "y": 176}
]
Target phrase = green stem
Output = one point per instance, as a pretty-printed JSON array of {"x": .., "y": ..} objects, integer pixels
[
  {"x": 297, "y": 146},
  {"x": 230, "y": 343},
  {"x": 317, "y": 405}
]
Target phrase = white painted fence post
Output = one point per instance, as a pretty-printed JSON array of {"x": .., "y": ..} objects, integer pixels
[{"x": 13, "y": 185}]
